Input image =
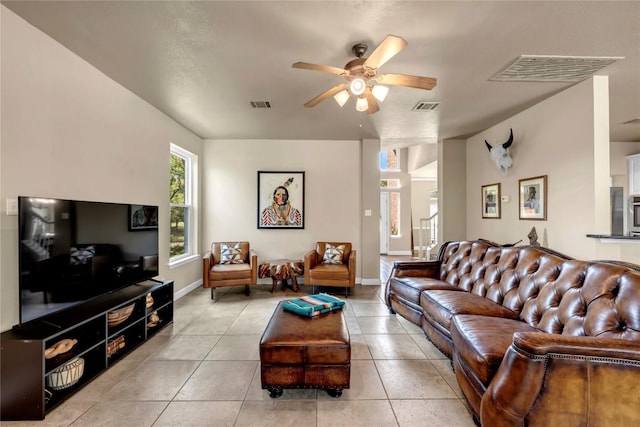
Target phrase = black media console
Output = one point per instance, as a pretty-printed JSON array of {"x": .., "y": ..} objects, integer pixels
[{"x": 102, "y": 331}]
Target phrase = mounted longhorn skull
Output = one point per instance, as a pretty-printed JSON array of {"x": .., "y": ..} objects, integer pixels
[{"x": 500, "y": 154}]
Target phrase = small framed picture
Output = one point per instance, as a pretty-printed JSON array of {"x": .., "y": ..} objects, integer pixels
[
  {"x": 143, "y": 217},
  {"x": 533, "y": 198},
  {"x": 491, "y": 201}
]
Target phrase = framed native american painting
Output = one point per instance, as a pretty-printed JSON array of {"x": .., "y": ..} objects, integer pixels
[
  {"x": 533, "y": 198},
  {"x": 491, "y": 201},
  {"x": 281, "y": 200}
]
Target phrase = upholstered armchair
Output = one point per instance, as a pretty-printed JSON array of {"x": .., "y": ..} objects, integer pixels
[
  {"x": 331, "y": 264},
  {"x": 229, "y": 264}
]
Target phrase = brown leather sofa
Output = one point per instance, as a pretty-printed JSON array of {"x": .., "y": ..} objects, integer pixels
[
  {"x": 216, "y": 274},
  {"x": 536, "y": 338}
]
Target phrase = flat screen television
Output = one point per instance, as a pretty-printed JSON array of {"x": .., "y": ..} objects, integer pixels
[{"x": 71, "y": 251}]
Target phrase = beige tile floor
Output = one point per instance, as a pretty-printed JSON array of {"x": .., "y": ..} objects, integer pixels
[{"x": 204, "y": 370}]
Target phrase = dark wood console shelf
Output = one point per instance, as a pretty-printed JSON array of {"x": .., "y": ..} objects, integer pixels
[{"x": 32, "y": 385}]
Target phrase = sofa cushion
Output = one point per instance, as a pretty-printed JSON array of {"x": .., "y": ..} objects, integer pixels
[
  {"x": 329, "y": 272},
  {"x": 409, "y": 288},
  {"x": 333, "y": 254},
  {"x": 442, "y": 305},
  {"x": 229, "y": 271},
  {"x": 230, "y": 254},
  {"x": 480, "y": 342},
  {"x": 81, "y": 255},
  {"x": 321, "y": 247}
]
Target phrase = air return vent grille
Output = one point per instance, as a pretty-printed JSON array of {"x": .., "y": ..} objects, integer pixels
[
  {"x": 425, "y": 106},
  {"x": 549, "y": 68},
  {"x": 260, "y": 104}
]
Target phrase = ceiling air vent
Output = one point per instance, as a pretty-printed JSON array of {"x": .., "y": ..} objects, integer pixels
[
  {"x": 425, "y": 106},
  {"x": 550, "y": 68},
  {"x": 260, "y": 104},
  {"x": 632, "y": 122}
]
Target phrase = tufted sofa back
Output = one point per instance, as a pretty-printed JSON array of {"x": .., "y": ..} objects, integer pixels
[{"x": 550, "y": 291}]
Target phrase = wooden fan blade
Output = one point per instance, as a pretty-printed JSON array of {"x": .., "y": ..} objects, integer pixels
[
  {"x": 371, "y": 101},
  {"x": 417, "y": 82},
  {"x": 323, "y": 68},
  {"x": 324, "y": 95},
  {"x": 386, "y": 50}
]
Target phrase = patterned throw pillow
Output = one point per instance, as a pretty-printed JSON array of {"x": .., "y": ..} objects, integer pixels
[
  {"x": 81, "y": 255},
  {"x": 230, "y": 254},
  {"x": 333, "y": 254}
]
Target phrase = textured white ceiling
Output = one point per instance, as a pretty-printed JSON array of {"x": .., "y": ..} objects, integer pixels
[{"x": 202, "y": 63}]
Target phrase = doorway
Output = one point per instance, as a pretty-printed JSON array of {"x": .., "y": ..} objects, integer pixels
[{"x": 384, "y": 223}]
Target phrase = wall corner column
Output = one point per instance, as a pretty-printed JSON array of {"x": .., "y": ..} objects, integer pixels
[
  {"x": 452, "y": 190},
  {"x": 370, "y": 251}
]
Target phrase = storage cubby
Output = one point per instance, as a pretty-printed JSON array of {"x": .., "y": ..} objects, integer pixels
[
  {"x": 93, "y": 364},
  {"x": 86, "y": 336},
  {"x": 125, "y": 315},
  {"x": 165, "y": 316},
  {"x": 91, "y": 337},
  {"x": 159, "y": 311},
  {"x": 129, "y": 338}
]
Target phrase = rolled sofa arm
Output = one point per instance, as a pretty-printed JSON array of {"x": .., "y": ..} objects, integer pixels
[
  {"x": 541, "y": 344},
  {"x": 549, "y": 379},
  {"x": 429, "y": 269}
]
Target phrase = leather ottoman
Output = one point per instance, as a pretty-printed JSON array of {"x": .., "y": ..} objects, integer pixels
[{"x": 305, "y": 352}]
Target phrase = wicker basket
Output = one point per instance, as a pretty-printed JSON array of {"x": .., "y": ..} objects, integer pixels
[
  {"x": 66, "y": 375},
  {"x": 116, "y": 317}
]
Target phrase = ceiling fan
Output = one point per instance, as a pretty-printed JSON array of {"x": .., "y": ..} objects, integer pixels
[{"x": 361, "y": 76}]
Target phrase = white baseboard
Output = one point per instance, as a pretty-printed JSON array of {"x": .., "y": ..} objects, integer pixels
[
  {"x": 358, "y": 281},
  {"x": 195, "y": 285},
  {"x": 184, "y": 291}
]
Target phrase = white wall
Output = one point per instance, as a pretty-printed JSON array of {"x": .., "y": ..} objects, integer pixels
[
  {"x": 332, "y": 194},
  {"x": 370, "y": 191},
  {"x": 561, "y": 137},
  {"x": 421, "y": 199},
  {"x": 68, "y": 131},
  {"x": 452, "y": 190}
]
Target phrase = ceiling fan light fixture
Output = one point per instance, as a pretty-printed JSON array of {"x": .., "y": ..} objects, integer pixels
[
  {"x": 380, "y": 92},
  {"x": 361, "y": 78},
  {"x": 362, "y": 104},
  {"x": 341, "y": 97},
  {"x": 357, "y": 86}
]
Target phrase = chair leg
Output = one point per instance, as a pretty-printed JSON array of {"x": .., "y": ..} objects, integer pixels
[
  {"x": 247, "y": 290},
  {"x": 213, "y": 293}
]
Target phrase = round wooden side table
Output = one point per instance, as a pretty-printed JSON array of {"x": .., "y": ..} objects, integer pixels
[{"x": 282, "y": 269}]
